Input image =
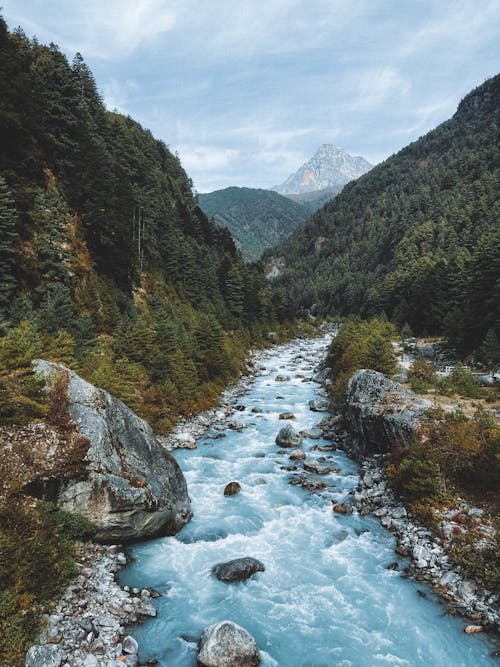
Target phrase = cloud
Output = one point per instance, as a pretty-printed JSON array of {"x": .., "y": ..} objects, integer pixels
[
  {"x": 117, "y": 94},
  {"x": 106, "y": 30},
  {"x": 377, "y": 86}
]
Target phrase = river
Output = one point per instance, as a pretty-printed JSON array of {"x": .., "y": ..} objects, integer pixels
[{"x": 326, "y": 598}]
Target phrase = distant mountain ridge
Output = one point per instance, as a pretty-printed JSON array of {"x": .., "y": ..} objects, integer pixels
[
  {"x": 257, "y": 219},
  {"x": 330, "y": 166}
]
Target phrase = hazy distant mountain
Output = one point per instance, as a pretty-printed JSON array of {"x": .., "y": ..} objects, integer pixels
[
  {"x": 257, "y": 219},
  {"x": 313, "y": 201},
  {"x": 331, "y": 166}
]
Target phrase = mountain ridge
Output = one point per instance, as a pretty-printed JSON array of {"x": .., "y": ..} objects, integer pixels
[
  {"x": 330, "y": 166},
  {"x": 257, "y": 218}
]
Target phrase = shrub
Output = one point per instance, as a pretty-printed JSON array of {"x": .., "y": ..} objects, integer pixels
[
  {"x": 361, "y": 344},
  {"x": 37, "y": 560},
  {"x": 421, "y": 375},
  {"x": 416, "y": 475},
  {"x": 461, "y": 381}
]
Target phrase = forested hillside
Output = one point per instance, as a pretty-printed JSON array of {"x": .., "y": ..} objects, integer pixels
[
  {"x": 257, "y": 219},
  {"x": 417, "y": 237},
  {"x": 106, "y": 261}
]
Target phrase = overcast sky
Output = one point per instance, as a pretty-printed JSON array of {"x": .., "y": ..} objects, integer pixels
[{"x": 247, "y": 90}]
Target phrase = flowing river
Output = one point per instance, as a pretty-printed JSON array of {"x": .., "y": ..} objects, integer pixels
[{"x": 326, "y": 598}]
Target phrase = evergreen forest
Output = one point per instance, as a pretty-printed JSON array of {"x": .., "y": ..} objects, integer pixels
[{"x": 107, "y": 263}]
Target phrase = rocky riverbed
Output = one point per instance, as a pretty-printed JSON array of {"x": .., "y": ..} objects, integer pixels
[{"x": 87, "y": 627}]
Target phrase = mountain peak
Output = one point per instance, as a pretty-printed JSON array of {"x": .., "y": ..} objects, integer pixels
[{"x": 330, "y": 166}]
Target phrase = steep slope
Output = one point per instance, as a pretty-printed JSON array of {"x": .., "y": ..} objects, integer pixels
[
  {"x": 107, "y": 263},
  {"x": 257, "y": 219},
  {"x": 330, "y": 166},
  {"x": 417, "y": 237}
]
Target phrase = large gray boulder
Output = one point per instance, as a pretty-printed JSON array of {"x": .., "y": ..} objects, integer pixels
[
  {"x": 226, "y": 644},
  {"x": 238, "y": 569},
  {"x": 131, "y": 489},
  {"x": 380, "y": 412}
]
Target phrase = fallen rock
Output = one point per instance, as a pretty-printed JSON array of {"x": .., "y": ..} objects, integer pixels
[
  {"x": 313, "y": 466},
  {"x": 130, "y": 645},
  {"x": 473, "y": 629},
  {"x": 238, "y": 569},
  {"x": 319, "y": 405},
  {"x": 313, "y": 433},
  {"x": 226, "y": 644},
  {"x": 185, "y": 440},
  {"x": 237, "y": 425},
  {"x": 232, "y": 489},
  {"x": 288, "y": 437},
  {"x": 43, "y": 656},
  {"x": 132, "y": 488},
  {"x": 342, "y": 508}
]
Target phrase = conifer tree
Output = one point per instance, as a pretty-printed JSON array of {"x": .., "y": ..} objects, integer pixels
[{"x": 8, "y": 239}]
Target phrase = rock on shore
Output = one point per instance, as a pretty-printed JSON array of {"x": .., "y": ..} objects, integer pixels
[
  {"x": 132, "y": 489},
  {"x": 379, "y": 412}
]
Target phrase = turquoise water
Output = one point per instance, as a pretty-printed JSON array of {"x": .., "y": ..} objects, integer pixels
[{"x": 326, "y": 597}]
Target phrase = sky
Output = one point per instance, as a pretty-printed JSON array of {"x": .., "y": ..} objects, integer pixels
[{"x": 245, "y": 91}]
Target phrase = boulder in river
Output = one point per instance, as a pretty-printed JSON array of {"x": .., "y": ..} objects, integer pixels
[
  {"x": 319, "y": 405},
  {"x": 226, "y": 644},
  {"x": 288, "y": 437},
  {"x": 297, "y": 455},
  {"x": 342, "y": 508},
  {"x": 315, "y": 467},
  {"x": 131, "y": 488},
  {"x": 232, "y": 489},
  {"x": 287, "y": 415},
  {"x": 238, "y": 569},
  {"x": 237, "y": 425},
  {"x": 282, "y": 378}
]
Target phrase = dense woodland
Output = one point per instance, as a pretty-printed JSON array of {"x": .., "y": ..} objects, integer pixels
[
  {"x": 418, "y": 237},
  {"x": 257, "y": 219},
  {"x": 106, "y": 261}
]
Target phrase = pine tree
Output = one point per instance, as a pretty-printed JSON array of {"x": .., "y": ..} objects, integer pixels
[
  {"x": 8, "y": 239},
  {"x": 489, "y": 351}
]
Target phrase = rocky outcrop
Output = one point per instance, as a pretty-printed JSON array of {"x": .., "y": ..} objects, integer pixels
[
  {"x": 238, "y": 569},
  {"x": 131, "y": 488},
  {"x": 227, "y": 644},
  {"x": 379, "y": 412}
]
